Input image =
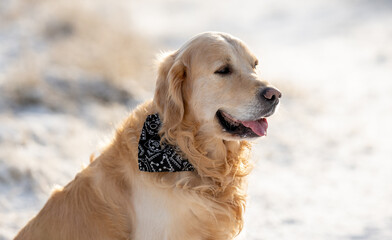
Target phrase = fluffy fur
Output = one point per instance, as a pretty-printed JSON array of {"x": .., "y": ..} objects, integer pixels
[{"x": 112, "y": 199}]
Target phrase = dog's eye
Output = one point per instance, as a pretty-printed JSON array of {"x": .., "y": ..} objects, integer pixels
[
  {"x": 256, "y": 63},
  {"x": 223, "y": 70}
]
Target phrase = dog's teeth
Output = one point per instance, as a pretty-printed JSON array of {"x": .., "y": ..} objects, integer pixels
[{"x": 235, "y": 124}]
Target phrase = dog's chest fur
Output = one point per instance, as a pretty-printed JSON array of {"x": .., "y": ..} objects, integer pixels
[
  {"x": 152, "y": 217},
  {"x": 164, "y": 214},
  {"x": 177, "y": 214}
]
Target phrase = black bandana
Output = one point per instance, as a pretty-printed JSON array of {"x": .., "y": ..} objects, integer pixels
[{"x": 157, "y": 157}]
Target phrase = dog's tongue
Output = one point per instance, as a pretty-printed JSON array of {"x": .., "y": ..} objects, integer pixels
[{"x": 259, "y": 127}]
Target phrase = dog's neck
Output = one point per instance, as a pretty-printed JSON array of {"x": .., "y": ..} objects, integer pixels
[
  {"x": 217, "y": 148},
  {"x": 216, "y": 159}
]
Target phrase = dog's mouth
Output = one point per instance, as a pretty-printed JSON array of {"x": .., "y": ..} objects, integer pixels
[{"x": 244, "y": 129}]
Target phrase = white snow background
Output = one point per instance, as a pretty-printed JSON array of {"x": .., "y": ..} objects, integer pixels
[{"x": 70, "y": 71}]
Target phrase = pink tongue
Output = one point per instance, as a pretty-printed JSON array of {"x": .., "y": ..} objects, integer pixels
[{"x": 259, "y": 127}]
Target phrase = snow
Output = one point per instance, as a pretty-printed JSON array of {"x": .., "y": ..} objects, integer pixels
[{"x": 323, "y": 172}]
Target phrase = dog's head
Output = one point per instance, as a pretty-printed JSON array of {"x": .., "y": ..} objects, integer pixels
[{"x": 212, "y": 82}]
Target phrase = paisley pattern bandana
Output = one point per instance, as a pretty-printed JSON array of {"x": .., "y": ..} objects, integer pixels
[{"x": 155, "y": 156}]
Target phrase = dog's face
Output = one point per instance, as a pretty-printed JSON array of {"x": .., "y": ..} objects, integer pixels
[{"x": 220, "y": 87}]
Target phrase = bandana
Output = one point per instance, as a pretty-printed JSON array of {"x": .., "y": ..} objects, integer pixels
[{"x": 155, "y": 156}]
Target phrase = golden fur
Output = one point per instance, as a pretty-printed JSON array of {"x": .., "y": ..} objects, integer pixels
[{"x": 112, "y": 199}]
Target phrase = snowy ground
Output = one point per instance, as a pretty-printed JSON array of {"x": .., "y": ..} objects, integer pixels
[{"x": 323, "y": 173}]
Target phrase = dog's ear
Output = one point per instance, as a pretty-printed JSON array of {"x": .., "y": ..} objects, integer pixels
[{"x": 168, "y": 94}]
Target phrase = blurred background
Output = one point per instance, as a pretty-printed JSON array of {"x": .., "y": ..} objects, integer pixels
[{"x": 70, "y": 71}]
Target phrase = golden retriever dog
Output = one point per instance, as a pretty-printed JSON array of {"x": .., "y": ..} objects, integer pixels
[{"x": 176, "y": 168}]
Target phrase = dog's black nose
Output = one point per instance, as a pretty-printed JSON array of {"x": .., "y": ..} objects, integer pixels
[{"x": 271, "y": 94}]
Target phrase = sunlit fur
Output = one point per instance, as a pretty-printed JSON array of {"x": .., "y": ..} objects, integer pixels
[{"x": 112, "y": 199}]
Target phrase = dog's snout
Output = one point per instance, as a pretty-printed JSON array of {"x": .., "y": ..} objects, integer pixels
[{"x": 271, "y": 94}]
